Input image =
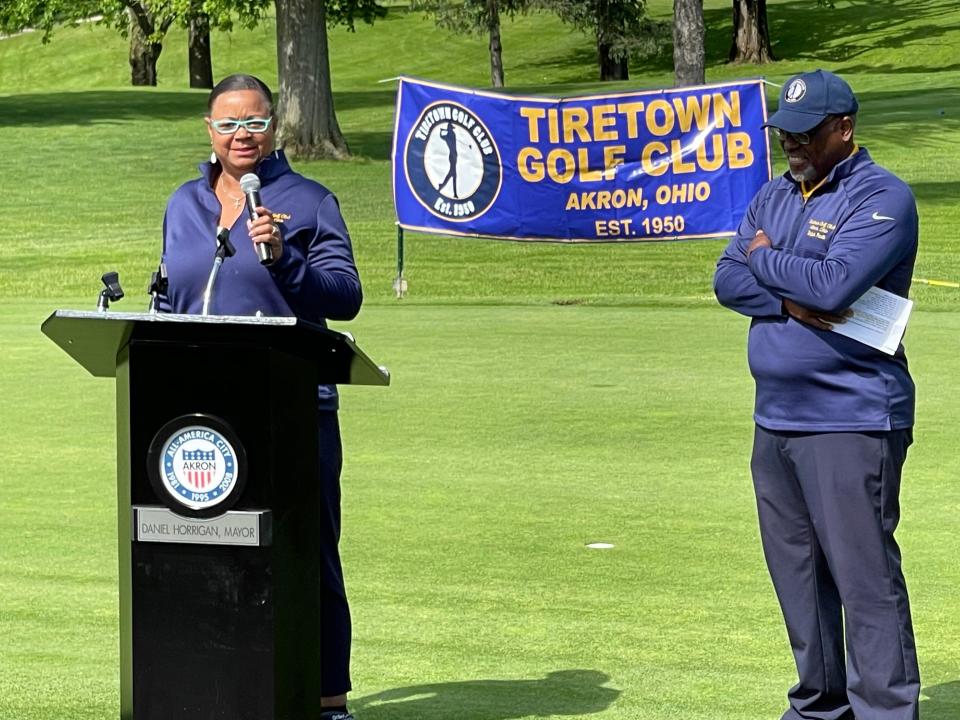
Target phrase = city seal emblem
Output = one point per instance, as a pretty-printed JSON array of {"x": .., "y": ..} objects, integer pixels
[
  {"x": 452, "y": 162},
  {"x": 196, "y": 465}
]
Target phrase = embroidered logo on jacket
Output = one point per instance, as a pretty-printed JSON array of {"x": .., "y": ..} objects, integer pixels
[{"x": 820, "y": 229}]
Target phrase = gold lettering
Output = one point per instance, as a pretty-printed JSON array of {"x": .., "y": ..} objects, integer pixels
[
  {"x": 656, "y": 126},
  {"x": 727, "y": 110},
  {"x": 676, "y": 153},
  {"x": 604, "y": 123},
  {"x": 533, "y": 115},
  {"x": 650, "y": 166},
  {"x": 716, "y": 162},
  {"x": 631, "y": 111},
  {"x": 739, "y": 153},
  {"x": 553, "y": 125},
  {"x": 695, "y": 109},
  {"x": 612, "y": 157},
  {"x": 575, "y": 121},
  {"x": 530, "y": 164},
  {"x": 557, "y": 156},
  {"x": 586, "y": 174}
]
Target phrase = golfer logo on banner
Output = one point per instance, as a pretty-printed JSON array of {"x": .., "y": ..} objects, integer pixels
[{"x": 452, "y": 163}]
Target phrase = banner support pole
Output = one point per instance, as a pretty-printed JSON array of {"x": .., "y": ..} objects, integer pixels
[{"x": 400, "y": 282}]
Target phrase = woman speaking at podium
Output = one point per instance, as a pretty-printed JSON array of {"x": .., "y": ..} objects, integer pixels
[{"x": 308, "y": 272}]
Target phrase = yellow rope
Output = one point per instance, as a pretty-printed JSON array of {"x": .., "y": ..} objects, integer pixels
[{"x": 937, "y": 283}]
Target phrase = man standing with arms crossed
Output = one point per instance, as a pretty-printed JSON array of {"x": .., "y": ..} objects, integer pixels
[{"x": 834, "y": 417}]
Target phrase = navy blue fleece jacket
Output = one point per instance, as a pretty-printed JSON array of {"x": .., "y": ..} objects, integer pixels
[
  {"x": 315, "y": 278},
  {"x": 856, "y": 230}
]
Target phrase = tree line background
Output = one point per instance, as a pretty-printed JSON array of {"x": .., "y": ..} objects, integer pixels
[{"x": 307, "y": 123}]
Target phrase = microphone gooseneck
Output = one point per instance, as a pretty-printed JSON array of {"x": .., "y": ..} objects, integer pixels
[
  {"x": 225, "y": 249},
  {"x": 250, "y": 185}
]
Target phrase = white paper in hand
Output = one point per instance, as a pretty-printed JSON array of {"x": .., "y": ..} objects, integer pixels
[{"x": 879, "y": 320}]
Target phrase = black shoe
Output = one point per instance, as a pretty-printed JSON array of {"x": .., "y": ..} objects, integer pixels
[{"x": 336, "y": 715}]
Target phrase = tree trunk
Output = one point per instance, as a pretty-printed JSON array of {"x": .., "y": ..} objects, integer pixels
[
  {"x": 611, "y": 68},
  {"x": 496, "y": 50},
  {"x": 198, "y": 52},
  {"x": 307, "y": 122},
  {"x": 751, "y": 36},
  {"x": 688, "y": 34},
  {"x": 143, "y": 53}
]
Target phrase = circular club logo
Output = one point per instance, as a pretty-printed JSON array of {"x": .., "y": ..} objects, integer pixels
[
  {"x": 795, "y": 91},
  {"x": 196, "y": 462},
  {"x": 452, "y": 162}
]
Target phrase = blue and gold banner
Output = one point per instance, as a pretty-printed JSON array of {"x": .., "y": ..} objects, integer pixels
[{"x": 652, "y": 165}]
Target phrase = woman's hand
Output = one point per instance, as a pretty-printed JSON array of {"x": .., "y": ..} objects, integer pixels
[{"x": 265, "y": 230}]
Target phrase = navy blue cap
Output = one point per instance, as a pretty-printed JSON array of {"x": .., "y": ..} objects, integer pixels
[{"x": 807, "y": 99}]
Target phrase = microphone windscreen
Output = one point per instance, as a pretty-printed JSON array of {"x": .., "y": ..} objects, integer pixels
[{"x": 250, "y": 183}]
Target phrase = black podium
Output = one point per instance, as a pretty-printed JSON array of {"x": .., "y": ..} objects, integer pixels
[{"x": 217, "y": 457}]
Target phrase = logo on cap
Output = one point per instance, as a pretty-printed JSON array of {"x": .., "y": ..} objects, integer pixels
[{"x": 795, "y": 91}]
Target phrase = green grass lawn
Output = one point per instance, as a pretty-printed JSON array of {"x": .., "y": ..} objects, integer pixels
[
  {"x": 543, "y": 397},
  {"x": 471, "y": 488}
]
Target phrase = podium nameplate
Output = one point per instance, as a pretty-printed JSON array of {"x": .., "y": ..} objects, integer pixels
[{"x": 251, "y": 528}]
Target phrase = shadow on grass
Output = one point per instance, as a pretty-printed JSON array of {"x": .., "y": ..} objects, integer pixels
[
  {"x": 367, "y": 99},
  {"x": 904, "y": 69},
  {"x": 935, "y": 192},
  {"x": 565, "y": 692},
  {"x": 372, "y": 145},
  {"x": 578, "y": 66},
  {"x": 106, "y": 106},
  {"x": 95, "y": 107},
  {"x": 911, "y": 119},
  {"x": 101, "y": 106},
  {"x": 942, "y": 702},
  {"x": 800, "y": 30}
]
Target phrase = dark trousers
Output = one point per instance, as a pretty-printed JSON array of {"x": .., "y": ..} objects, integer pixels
[
  {"x": 335, "y": 629},
  {"x": 828, "y": 505}
]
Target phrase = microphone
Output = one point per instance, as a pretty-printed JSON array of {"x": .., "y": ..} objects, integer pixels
[
  {"x": 225, "y": 248},
  {"x": 250, "y": 185},
  {"x": 159, "y": 282},
  {"x": 112, "y": 291}
]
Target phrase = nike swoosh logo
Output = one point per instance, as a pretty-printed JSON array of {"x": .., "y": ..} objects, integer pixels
[{"x": 878, "y": 216}]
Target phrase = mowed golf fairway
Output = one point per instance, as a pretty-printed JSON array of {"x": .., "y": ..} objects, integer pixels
[{"x": 544, "y": 397}]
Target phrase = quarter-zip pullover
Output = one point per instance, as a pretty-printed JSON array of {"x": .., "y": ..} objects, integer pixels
[
  {"x": 856, "y": 230},
  {"x": 315, "y": 278}
]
